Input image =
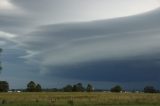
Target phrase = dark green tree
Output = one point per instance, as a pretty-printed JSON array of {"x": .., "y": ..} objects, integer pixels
[
  {"x": 4, "y": 86},
  {"x": 68, "y": 88},
  {"x": 149, "y": 89},
  {"x": 38, "y": 88},
  {"x": 78, "y": 87},
  {"x": 0, "y": 61},
  {"x": 116, "y": 89},
  {"x": 89, "y": 88},
  {"x": 74, "y": 89},
  {"x": 31, "y": 86}
]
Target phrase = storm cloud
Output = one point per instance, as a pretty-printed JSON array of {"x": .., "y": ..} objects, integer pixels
[
  {"x": 77, "y": 44},
  {"x": 123, "y": 49}
]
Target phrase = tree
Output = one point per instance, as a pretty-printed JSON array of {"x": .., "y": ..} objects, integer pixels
[
  {"x": 149, "y": 89},
  {"x": 68, "y": 88},
  {"x": 78, "y": 87},
  {"x": 0, "y": 61},
  {"x": 38, "y": 88},
  {"x": 89, "y": 88},
  {"x": 31, "y": 86},
  {"x": 74, "y": 89},
  {"x": 116, "y": 89},
  {"x": 4, "y": 86}
]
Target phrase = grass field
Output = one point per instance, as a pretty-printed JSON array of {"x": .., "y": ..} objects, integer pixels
[{"x": 79, "y": 99}]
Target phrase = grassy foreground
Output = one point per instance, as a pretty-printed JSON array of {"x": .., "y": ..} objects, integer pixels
[{"x": 79, "y": 99}]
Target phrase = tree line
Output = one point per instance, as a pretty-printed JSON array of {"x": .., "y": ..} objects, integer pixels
[
  {"x": 33, "y": 87},
  {"x": 78, "y": 88}
]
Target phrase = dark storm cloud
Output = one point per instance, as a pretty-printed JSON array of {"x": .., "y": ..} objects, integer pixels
[
  {"x": 113, "y": 71},
  {"x": 116, "y": 50},
  {"x": 73, "y": 34},
  {"x": 121, "y": 50}
]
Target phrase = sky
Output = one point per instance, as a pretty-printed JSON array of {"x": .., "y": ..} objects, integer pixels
[{"x": 59, "y": 42}]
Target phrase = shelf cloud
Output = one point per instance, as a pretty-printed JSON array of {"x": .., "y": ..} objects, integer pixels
[
  {"x": 82, "y": 46},
  {"x": 124, "y": 42}
]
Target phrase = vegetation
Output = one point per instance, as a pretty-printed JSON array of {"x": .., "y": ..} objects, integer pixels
[
  {"x": 4, "y": 86},
  {"x": 89, "y": 88},
  {"x": 0, "y": 61},
  {"x": 116, "y": 89},
  {"x": 78, "y": 87},
  {"x": 68, "y": 88},
  {"x": 38, "y": 88},
  {"x": 150, "y": 89},
  {"x": 33, "y": 87},
  {"x": 79, "y": 99}
]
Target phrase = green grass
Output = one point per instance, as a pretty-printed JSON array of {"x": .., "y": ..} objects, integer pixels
[{"x": 79, "y": 99}]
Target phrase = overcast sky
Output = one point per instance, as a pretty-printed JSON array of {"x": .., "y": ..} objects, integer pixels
[{"x": 102, "y": 42}]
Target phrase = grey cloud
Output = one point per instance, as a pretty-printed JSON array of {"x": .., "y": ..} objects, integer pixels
[
  {"x": 51, "y": 38},
  {"x": 16, "y": 24},
  {"x": 60, "y": 11},
  {"x": 114, "y": 71},
  {"x": 74, "y": 50},
  {"x": 53, "y": 10},
  {"x": 104, "y": 28},
  {"x": 57, "y": 11},
  {"x": 116, "y": 50}
]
